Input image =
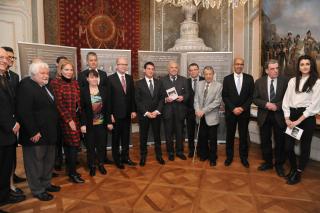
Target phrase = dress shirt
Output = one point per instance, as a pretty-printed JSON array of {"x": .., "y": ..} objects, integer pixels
[
  {"x": 274, "y": 86},
  {"x": 120, "y": 77},
  {"x": 235, "y": 76},
  {"x": 192, "y": 82},
  {"x": 148, "y": 83},
  {"x": 310, "y": 100}
]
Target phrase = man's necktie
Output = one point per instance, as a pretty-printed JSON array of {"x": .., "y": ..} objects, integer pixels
[
  {"x": 238, "y": 85},
  {"x": 205, "y": 94},
  {"x": 174, "y": 78},
  {"x": 151, "y": 88},
  {"x": 194, "y": 85},
  {"x": 123, "y": 83},
  {"x": 272, "y": 93}
]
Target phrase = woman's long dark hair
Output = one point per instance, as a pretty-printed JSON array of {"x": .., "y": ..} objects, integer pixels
[{"x": 313, "y": 75}]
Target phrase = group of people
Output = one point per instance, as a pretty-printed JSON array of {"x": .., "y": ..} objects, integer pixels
[{"x": 46, "y": 113}]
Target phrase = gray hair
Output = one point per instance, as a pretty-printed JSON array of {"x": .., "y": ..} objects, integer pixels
[
  {"x": 209, "y": 68},
  {"x": 36, "y": 66},
  {"x": 271, "y": 61}
]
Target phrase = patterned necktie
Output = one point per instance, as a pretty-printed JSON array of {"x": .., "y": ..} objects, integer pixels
[
  {"x": 238, "y": 85},
  {"x": 194, "y": 85},
  {"x": 205, "y": 94},
  {"x": 123, "y": 83},
  {"x": 272, "y": 92},
  {"x": 174, "y": 79},
  {"x": 151, "y": 87}
]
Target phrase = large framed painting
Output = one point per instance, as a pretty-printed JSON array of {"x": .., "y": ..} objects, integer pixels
[{"x": 290, "y": 29}]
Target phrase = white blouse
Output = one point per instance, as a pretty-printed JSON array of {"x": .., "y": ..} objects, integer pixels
[{"x": 310, "y": 100}]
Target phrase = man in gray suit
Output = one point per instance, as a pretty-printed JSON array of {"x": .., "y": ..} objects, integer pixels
[
  {"x": 268, "y": 94},
  {"x": 174, "y": 109},
  {"x": 207, "y": 102}
]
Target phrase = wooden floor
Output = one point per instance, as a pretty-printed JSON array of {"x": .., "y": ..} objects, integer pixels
[{"x": 180, "y": 187}]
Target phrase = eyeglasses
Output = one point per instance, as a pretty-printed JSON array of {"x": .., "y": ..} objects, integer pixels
[
  {"x": 12, "y": 58},
  {"x": 2, "y": 58},
  {"x": 122, "y": 64}
]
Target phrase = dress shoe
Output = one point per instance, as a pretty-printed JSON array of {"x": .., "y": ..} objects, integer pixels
[
  {"x": 92, "y": 171},
  {"x": 280, "y": 171},
  {"x": 17, "y": 179},
  {"x": 13, "y": 199},
  {"x": 160, "y": 160},
  {"x": 292, "y": 170},
  {"x": 171, "y": 157},
  {"x": 16, "y": 192},
  {"x": 55, "y": 174},
  {"x": 294, "y": 178},
  {"x": 76, "y": 179},
  {"x": 265, "y": 166},
  {"x": 190, "y": 155},
  {"x": 102, "y": 170},
  {"x": 129, "y": 162},
  {"x": 44, "y": 196},
  {"x": 203, "y": 158},
  {"x": 58, "y": 167},
  {"x": 119, "y": 165},
  {"x": 181, "y": 156},
  {"x": 53, "y": 188},
  {"x": 108, "y": 161},
  {"x": 227, "y": 162},
  {"x": 142, "y": 162},
  {"x": 213, "y": 163},
  {"x": 245, "y": 163}
]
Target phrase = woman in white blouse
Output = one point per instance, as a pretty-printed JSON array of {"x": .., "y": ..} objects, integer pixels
[{"x": 300, "y": 104}]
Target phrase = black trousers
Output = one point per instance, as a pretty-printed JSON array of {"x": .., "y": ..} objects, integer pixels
[
  {"x": 96, "y": 144},
  {"x": 174, "y": 127},
  {"x": 59, "y": 147},
  {"x": 191, "y": 128},
  {"x": 266, "y": 141},
  {"x": 121, "y": 136},
  {"x": 144, "y": 124},
  {"x": 208, "y": 140},
  {"x": 71, "y": 153},
  {"x": 231, "y": 121},
  {"x": 308, "y": 126},
  {"x": 6, "y": 166}
]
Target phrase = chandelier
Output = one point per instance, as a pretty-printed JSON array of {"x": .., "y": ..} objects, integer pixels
[{"x": 205, "y": 3}]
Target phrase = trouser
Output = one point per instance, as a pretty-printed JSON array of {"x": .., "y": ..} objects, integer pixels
[
  {"x": 121, "y": 136},
  {"x": 96, "y": 144},
  {"x": 191, "y": 128},
  {"x": 71, "y": 153},
  {"x": 174, "y": 126},
  {"x": 208, "y": 140},
  {"x": 6, "y": 165}
]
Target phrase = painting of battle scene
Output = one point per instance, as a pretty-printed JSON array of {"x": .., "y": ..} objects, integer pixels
[{"x": 290, "y": 29}]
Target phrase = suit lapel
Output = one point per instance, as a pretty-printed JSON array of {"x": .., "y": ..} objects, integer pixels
[
  {"x": 118, "y": 81},
  {"x": 145, "y": 85},
  {"x": 265, "y": 89}
]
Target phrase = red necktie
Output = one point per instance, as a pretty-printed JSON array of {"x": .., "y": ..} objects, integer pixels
[{"x": 123, "y": 82}]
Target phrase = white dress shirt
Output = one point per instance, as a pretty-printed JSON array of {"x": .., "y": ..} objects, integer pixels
[
  {"x": 148, "y": 83},
  {"x": 310, "y": 100},
  {"x": 120, "y": 77},
  {"x": 236, "y": 76},
  {"x": 192, "y": 82},
  {"x": 274, "y": 86}
]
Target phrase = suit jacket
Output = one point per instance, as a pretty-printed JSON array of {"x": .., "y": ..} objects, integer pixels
[
  {"x": 232, "y": 99},
  {"x": 120, "y": 104},
  {"x": 261, "y": 97},
  {"x": 145, "y": 101},
  {"x": 82, "y": 78},
  {"x": 86, "y": 106},
  {"x": 190, "y": 103},
  {"x": 177, "y": 108},
  {"x": 37, "y": 113},
  {"x": 7, "y": 117},
  {"x": 212, "y": 103},
  {"x": 14, "y": 80}
]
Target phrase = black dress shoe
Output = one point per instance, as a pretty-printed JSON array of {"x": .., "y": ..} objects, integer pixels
[
  {"x": 17, "y": 179},
  {"x": 92, "y": 171},
  {"x": 213, "y": 163},
  {"x": 294, "y": 178},
  {"x": 16, "y": 192},
  {"x": 203, "y": 158},
  {"x": 76, "y": 179},
  {"x": 181, "y": 156},
  {"x": 190, "y": 155},
  {"x": 245, "y": 163},
  {"x": 227, "y": 162},
  {"x": 44, "y": 196},
  {"x": 280, "y": 171},
  {"x": 142, "y": 162},
  {"x": 102, "y": 170},
  {"x": 292, "y": 171},
  {"x": 119, "y": 165},
  {"x": 160, "y": 160},
  {"x": 265, "y": 166},
  {"x": 171, "y": 157},
  {"x": 13, "y": 199},
  {"x": 55, "y": 174},
  {"x": 129, "y": 162},
  {"x": 53, "y": 188},
  {"x": 108, "y": 161}
]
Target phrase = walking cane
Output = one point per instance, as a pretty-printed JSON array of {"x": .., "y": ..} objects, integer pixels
[{"x": 196, "y": 144}]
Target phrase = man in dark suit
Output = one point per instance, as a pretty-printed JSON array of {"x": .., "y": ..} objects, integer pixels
[
  {"x": 193, "y": 70},
  {"x": 92, "y": 62},
  {"x": 149, "y": 107},
  {"x": 121, "y": 106},
  {"x": 268, "y": 95},
  {"x": 38, "y": 134},
  {"x": 237, "y": 96},
  {"x": 9, "y": 128},
  {"x": 175, "y": 109}
]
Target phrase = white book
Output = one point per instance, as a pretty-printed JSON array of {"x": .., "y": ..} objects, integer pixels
[{"x": 295, "y": 132}]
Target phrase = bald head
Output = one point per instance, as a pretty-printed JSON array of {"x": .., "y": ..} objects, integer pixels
[
  {"x": 173, "y": 68},
  {"x": 122, "y": 65},
  {"x": 4, "y": 60},
  {"x": 238, "y": 64}
]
